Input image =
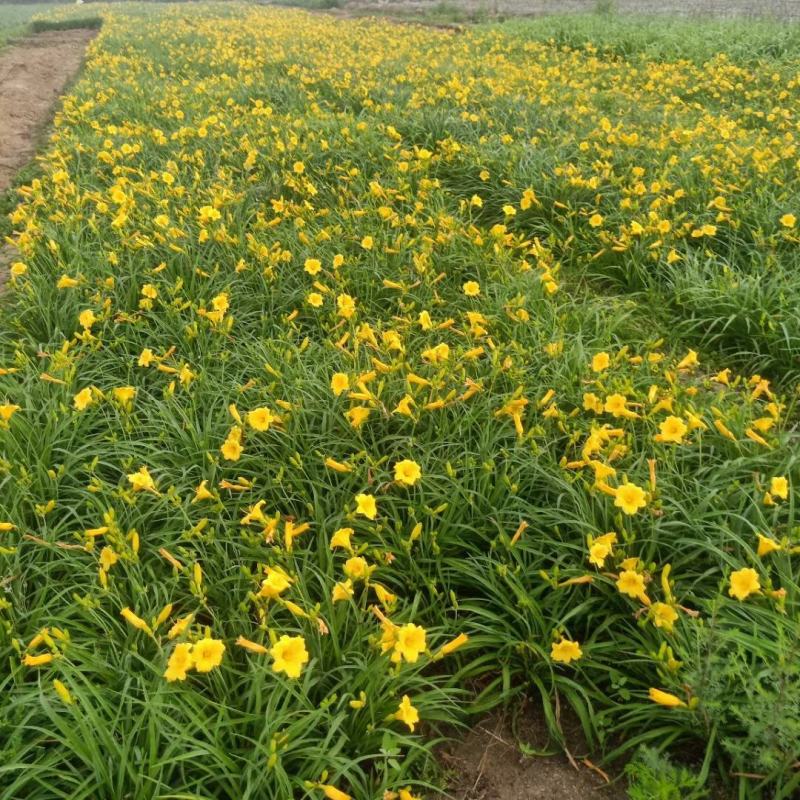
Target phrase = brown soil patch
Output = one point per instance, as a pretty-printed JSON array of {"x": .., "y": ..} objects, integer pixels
[
  {"x": 33, "y": 73},
  {"x": 488, "y": 764}
]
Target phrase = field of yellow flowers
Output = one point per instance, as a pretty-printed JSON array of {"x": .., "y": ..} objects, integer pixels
[{"x": 355, "y": 377}]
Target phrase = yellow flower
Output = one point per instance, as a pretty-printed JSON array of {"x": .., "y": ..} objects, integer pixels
[
  {"x": 337, "y": 466},
  {"x": 358, "y": 415},
  {"x": 406, "y": 713},
  {"x": 724, "y": 430},
  {"x": 289, "y": 655},
  {"x": 409, "y": 642},
  {"x": 666, "y": 699},
  {"x": 452, "y": 645},
  {"x": 356, "y": 568},
  {"x": 601, "y": 548},
  {"x": 565, "y": 651},
  {"x": 346, "y": 306},
  {"x": 276, "y": 582},
  {"x": 631, "y": 584},
  {"x": 41, "y": 660},
  {"x": 207, "y": 654},
  {"x": 723, "y": 377},
  {"x": 180, "y": 626},
  {"x": 596, "y": 220},
  {"x": 688, "y": 361},
  {"x": 664, "y": 615},
  {"x": 617, "y": 406},
  {"x": 343, "y": 590},
  {"x": 108, "y": 558},
  {"x": 471, "y": 288},
  {"x": 232, "y": 447},
  {"x": 341, "y": 538},
  {"x": 339, "y": 383},
  {"x": 137, "y": 622},
  {"x": 87, "y": 319},
  {"x": 630, "y": 498},
  {"x": 63, "y": 692},
  {"x": 180, "y": 662},
  {"x": 312, "y": 266},
  {"x": 66, "y": 282},
  {"x": 125, "y": 395},
  {"x": 591, "y": 402},
  {"x": 332, "y": 793},
  {"x": 600, "y": 362},
  {"x": 744, "y": 582},
  {"x": 407, "y": 472},
  {"x": 253, "y": 647},
  {"x": 146, "y": 358},
  {"x": 361, "y": 702},
  {"x": 766, "y": 545},
  {"x": 367, "y": 243},
  {"x": 437, "y": 354},
  {"x": 788, "y": 220},
  {"x": 202, "y": 493},
  {"x": 142, "y": 481},
  {"x": 207, "y": 214},
  {"x": 7, "y": 410},
  {"x": 260, "y": 419},
  {"x": 672, "y": 429},
  {"x": 366, "y": 506},
  {"x": 385, "y": 597},
  {"x": 779, "y": 487},
  {"x": 83, "y": 399},
  {"x": 404, "y": 406},
  {"x": 598, "y": 553},
  {"x": 315, "y": 299}
]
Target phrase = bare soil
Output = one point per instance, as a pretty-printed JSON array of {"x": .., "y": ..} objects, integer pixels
[
  {"x": 488, "y": 764},
  {"x": 33, "y": 73}
]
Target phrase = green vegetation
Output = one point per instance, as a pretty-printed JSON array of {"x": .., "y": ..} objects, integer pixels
[
  {"x": 15, "y": 17},
  {"x": 651, "y": 38},
  {"x": 346, "y": 394}
]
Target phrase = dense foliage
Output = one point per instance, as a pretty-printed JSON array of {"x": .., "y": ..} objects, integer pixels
[{"x": 331, "y": 410}]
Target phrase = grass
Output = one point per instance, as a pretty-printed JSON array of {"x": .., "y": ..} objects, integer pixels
[
  {"x": 16, "y": 17},
  {"x": 71, "y": 23},
  {"x": 743, "y": 41},
  {"x": 274, "y": 269}
]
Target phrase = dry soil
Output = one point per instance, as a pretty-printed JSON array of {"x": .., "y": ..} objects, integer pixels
[
  {"x": 487, "y": 763},
  {"x": 33, "y": 73}
]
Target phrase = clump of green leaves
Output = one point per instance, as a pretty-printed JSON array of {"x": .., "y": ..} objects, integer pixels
[
  {"x": 750, "y": 686},
  {"x": 654, "y": 776}
]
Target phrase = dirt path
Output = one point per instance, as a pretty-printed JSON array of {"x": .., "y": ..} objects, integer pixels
[
  {"x": 33, "y": 73},
  {"x": 486, "y": 764}
]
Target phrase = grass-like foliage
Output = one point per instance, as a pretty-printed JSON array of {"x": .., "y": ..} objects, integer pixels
[
  {"x": 66, "y": 24},
  {"x": 328, "y": 414},
  {"x": 15, "y": 18}
]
